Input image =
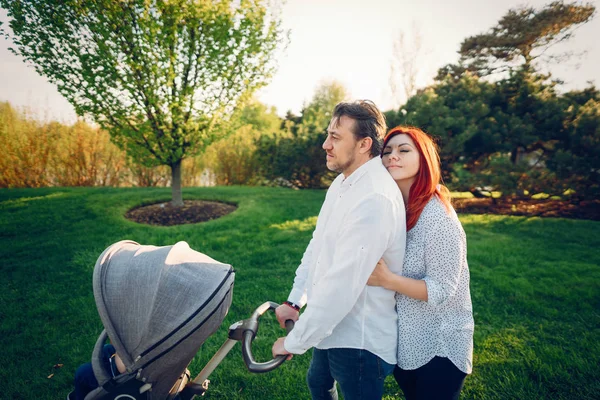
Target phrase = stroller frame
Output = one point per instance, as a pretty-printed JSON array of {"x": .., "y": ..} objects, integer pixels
[{"x": 242, "y": 331}]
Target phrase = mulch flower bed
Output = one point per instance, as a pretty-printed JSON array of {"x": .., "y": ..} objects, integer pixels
[
  {"x": 589, "y": 209},
  {"x": 192, "y": 211}
]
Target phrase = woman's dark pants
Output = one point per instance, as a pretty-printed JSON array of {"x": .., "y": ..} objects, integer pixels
[{"x": 438, "y": 379}]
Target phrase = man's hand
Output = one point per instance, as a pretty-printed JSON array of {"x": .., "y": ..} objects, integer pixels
[
  {"x": 285, "y": 312},
  {"x": 278, "y": 349},
  {"x": 381, "y": 275}
]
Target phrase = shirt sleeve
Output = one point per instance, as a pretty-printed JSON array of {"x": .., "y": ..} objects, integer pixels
[
  {"x": 298, "y": 293},
  {"x": 364, "y": 237},
  {"x": 445, "y": 251}
]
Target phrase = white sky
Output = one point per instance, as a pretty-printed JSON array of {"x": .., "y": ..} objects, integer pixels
[{"x": 346, "y": 40}]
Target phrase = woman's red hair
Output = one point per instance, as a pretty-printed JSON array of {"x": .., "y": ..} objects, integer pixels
[{"x": 428, "y": 181}]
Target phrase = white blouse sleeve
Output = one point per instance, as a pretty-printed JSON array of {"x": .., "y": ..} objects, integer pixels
[{"x": 445, "y": 250}]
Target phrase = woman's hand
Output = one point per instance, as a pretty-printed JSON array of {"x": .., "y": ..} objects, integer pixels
[{"x": 380, "y": 276}]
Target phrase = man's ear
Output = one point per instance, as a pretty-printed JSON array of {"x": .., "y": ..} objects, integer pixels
[{"x": 365, "y": 145}]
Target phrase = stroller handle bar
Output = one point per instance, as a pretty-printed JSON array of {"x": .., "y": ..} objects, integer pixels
[
  {"x": 249, "y": 333},
  {"x": 244, "y": 331}
]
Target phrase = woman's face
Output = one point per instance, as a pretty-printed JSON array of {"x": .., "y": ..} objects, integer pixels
[{"x": 401, "y": 159}]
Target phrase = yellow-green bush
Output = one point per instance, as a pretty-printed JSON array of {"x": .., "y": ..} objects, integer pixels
[
  {"x": 53, "y": 154},
  {"x": 27, "y": 147},
  {"x": 85, "y": 156},
  {"x": 232, "y": 159}
]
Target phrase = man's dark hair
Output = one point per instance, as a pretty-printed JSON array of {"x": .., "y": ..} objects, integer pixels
[{"x": 368, "y": 121}]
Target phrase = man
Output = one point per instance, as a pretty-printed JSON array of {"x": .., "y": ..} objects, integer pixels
[{"x": 352, "y": 327}]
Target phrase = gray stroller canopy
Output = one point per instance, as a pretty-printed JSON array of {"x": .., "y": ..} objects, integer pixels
[{"x": 158, "y": 305}]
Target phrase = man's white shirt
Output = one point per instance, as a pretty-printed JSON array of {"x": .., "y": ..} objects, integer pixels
[{"x": 362, "y": 220}]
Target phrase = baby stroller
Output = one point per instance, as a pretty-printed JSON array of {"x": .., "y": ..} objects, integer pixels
[{"x": 158, "y": 305}]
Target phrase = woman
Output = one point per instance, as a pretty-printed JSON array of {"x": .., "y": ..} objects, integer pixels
[{"x": 435, "y": 317}]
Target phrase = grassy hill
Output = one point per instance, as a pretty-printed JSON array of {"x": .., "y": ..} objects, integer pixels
[{"x": 535, "y": 285}]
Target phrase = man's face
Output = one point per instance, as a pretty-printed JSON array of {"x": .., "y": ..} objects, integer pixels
[{"x": 341, "y": 146}]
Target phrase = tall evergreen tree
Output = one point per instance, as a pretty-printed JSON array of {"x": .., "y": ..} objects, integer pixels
[{"x": 522, "y": 36}]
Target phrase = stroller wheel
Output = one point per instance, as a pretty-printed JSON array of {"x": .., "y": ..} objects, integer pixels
[{"x": 71, "y": 395}]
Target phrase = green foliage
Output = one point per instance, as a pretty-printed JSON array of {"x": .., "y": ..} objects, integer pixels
[
  {"x": 458, "y": 114},
  {"x": 317, "y": 113},
  {"x": 295, "y": 156},
  {"x": 259, "y": 148},
  {"x": 392, "y": 118},
  {"x": 576, "y": 159},
  {"x": 158, "y": 75},
  {"x": 535, "y": 286},
  {"x": 516, "y": 135},
  {"x": 233, "y": 159},
  {"x": 262, "y": 118},
  {"x": 294, "y": 159}
]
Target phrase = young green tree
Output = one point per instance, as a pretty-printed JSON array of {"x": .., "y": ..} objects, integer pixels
[
  {"x": 317, "y": 113},
  {"x": 159, "y": 75}
]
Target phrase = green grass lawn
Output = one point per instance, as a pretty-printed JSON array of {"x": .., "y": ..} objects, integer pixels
[{"x": 535, "y": 285}]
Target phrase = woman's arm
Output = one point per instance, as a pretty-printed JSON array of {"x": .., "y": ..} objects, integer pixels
[
  {"x": 445, "y": 259},
  {"x": 382, "y": 276}
]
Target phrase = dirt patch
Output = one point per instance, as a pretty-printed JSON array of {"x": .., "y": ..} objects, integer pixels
[
  {"x": 589, "y": 209},
  {"x": 192, "y": 211}
]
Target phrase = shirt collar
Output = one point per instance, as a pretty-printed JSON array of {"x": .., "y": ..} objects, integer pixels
[{"x": 360, "y": 171}]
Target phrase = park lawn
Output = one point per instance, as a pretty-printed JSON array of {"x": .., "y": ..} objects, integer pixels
[{"x": 535, "y": 285}]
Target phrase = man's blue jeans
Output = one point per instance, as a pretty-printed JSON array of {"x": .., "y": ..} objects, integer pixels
[{"x": 360, "y": 374}]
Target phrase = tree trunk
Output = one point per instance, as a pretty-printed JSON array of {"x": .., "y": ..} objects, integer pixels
[
  {"x": 514, "y": 155},
  {"x": 477, "y": 193},
  {"x": 177, "y": 198}
]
